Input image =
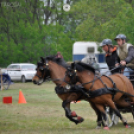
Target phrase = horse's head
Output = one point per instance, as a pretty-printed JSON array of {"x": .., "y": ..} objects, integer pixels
[
  {"x": 54, "y": 68},
  {"x": 77, "y": 69},
  {"x": 42, "y": 72}
]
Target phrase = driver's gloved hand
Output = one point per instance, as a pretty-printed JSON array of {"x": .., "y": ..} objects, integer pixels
[{"x": 122, "y": 67}]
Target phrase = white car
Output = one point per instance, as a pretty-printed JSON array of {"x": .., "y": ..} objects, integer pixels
[
  {"x": 102, "y": 68},
  {"x": 21, "y": 71}
]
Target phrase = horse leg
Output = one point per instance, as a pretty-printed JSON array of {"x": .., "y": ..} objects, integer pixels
[
  {"x": 121, "y": 102},
  {"x": 103, "y": 113},
  {"x": 72, "y": 116},
  {"x": 112, "y": 105},
  {"x": 99, "y": 117},
  {"x": 125, "y": 104},
  {"x": 132, "y": 105}
]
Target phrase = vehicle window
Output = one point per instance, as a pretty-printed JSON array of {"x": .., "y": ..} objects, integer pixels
[
  {"x": 28, "y": 67},
  {"x": 90, "y": 50},
  {"x": 15, "y": 67},
  {"x": 9, "y": 67},
  {"x": 103, "y": 66}
]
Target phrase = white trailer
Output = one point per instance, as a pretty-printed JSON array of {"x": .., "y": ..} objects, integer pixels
[{"x": 82, "y": 49}]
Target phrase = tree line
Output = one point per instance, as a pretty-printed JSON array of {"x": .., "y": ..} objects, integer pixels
[{"x": 33, "y": 28}]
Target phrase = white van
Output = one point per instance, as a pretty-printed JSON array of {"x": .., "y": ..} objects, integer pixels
[{"x": 21, "y": 71}]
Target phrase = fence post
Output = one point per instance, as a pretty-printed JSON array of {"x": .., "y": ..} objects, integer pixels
[{"x": 1, "y": 80}]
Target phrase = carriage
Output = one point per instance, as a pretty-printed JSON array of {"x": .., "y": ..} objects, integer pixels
[{"x": 5, "y": 81}]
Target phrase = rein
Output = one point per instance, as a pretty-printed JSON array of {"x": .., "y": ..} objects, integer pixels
[
  {"x": 114, "y": 85},
  {"x": 99, "y": 77},
  {"x": 96, "y": 77}
]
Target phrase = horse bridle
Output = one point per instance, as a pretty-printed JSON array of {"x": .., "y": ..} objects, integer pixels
[
  {"x": 74, "y": 76},
  {"x": 42, "y": 72},
  {"x": 47, "y": 69}
]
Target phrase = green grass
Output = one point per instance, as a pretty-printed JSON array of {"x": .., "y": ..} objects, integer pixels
[{"x": 43, "y": 114}]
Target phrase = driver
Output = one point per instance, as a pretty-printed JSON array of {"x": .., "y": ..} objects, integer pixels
[
  {"x": 126, "y": 54},
  {"x": 111, "y": 55}
]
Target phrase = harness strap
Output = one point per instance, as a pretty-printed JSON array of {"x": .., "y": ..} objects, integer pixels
[
  {"x": 124, "y": 92},
  {"x": 101, "y": 91},
  {"x": 114, "y": 85},
  {"x": 115, "y": 90},
  {"x": 92, "y": 94},
  {"x": 99, "y": 77},
  {"x": 103, "y": 82},
  {"x": 38, "y": 76},
  {"x": 92, "y": 83}
]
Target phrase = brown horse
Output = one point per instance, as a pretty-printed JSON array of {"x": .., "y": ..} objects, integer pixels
[
  {"x": 113, "y": 88},
  {"x": 56, "y": 70}
]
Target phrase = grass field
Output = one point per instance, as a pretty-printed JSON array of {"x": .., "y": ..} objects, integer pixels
[{"x": 43, "y": 114}]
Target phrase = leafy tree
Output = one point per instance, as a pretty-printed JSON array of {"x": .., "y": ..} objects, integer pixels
[{"x": 41, "y": 28}]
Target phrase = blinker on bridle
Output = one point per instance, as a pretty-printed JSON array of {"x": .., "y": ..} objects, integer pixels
[
  {"x": 72, "y": 73},
  {"x": 43, "y": 69}
]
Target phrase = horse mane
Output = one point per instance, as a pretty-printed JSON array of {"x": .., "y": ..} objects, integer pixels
[
  {"x": 59, "y": 61},
  {"x": 80, "y": 66}
]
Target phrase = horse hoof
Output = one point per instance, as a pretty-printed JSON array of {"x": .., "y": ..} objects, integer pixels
[
  {"x": 127, "y": 126},
  {"x": 106, "y": 128},
  {"x": 98, "y": 127},
  {"x": 80, "y": 119},
  {"x": 73, "y": 114}
]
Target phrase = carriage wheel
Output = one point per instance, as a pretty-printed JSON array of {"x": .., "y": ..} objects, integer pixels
[
  {"x": 6, "y": 82},
  {"x": 113, "y": 119}
]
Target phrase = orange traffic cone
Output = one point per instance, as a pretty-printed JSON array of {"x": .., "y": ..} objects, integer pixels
[
  {"x": 21, "y": 98},
  {"x": 75, "y": 101}
]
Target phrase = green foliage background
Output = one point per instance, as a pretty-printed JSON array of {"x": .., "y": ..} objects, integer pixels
[{"x": 36, "y": 28}]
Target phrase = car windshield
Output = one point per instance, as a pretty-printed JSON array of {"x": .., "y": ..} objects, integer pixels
[
  {"x": 10, "y": 66},
  {"x": 28, "y": 67},
  {"x": 103, "y": 66}
]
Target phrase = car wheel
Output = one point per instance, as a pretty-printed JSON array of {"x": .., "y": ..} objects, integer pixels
[{"x": 23, "y": 79}]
